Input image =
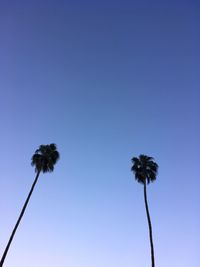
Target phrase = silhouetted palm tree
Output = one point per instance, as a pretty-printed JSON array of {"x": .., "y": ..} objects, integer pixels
[
  {"x": 145, "y": 170},
  {"x": 44, "y": 160}
]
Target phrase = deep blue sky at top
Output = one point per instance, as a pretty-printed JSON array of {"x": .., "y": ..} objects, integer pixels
[
  {"x": 105, "y": 81},
  {"x": 93, "y": 45}
]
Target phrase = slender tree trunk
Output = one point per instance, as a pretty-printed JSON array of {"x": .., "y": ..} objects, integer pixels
[
  {"x": 19, "y": 219},
  {"x": 150, "y": 227}
]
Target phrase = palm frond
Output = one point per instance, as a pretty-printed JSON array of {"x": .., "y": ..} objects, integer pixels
[
  {"x": 45, "y": 157},
  {"x": 144, "y": 168}
]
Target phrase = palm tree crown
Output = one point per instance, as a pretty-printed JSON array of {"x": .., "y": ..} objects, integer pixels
[
  {"x": 45, "y": 158},
  {"x": 145, "y": 169}
]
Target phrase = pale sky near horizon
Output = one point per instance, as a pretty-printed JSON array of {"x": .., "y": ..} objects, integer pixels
[{"x": 105, "y": 81}]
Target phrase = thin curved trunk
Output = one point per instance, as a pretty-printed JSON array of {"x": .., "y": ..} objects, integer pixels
[
  {"x": 150, "y": 227},
  {"x": 19, "y": 219}
]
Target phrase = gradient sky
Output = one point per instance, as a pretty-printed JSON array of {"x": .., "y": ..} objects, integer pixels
[{"x": 105, "y": 81}]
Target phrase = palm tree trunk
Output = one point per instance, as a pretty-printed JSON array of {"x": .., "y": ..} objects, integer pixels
[
  {"x": 19, "y": 219},
  {"x": 150, "y": 227}
]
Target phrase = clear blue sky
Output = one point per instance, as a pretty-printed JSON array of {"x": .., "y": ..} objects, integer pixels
[{"x": 105, "y": 81}]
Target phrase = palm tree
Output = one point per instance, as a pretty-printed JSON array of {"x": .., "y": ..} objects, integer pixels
[
  {"x": 145, "y": 170},
  {"x": 43, "y": 160}
]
